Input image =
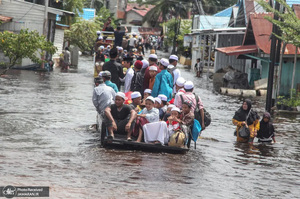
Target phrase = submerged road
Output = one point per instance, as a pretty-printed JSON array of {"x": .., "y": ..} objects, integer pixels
[{"x": 45, "y": 141}]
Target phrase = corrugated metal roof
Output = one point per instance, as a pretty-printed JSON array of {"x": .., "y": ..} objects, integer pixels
[
  {"x": 5, "y": 18},
  {"x": 262, "y": 30},
  {"x": 297, "y": 10},
  {"x": 237, "y": 50}
]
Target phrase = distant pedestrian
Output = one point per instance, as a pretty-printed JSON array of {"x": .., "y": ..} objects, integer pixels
[
  {"x": 67, "y": 59},
  {"x": 199, "y": 67}
]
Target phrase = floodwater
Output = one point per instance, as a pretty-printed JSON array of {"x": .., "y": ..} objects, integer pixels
[{"x": 45, "y": 141}]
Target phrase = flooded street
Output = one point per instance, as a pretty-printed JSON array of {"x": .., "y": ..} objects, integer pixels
[{"x": 45, "y": 141}]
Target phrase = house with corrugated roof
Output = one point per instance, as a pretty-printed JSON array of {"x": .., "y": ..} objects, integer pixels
[
  {"x": 33, "y": 15},
  {"x": 257, "y": 45}
]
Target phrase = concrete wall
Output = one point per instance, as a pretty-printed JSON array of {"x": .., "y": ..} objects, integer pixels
[
  {"x": 58, "y": 41},
  {"x": 131, "y": 15}
]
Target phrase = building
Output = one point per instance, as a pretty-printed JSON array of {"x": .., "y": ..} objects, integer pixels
[
  {"x": 20, "y": 14},
  {"x": 257, "y": 45}
]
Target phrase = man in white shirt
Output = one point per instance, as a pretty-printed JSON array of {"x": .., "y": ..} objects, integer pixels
[
  {"x": 127, "y": 63},
  {"x": 175, "y": 72},
  {"x": 132, "y": 42}
]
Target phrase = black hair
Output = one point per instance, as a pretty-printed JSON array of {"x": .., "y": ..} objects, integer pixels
[
  {"x": 118, "y": 28},
  {"x": 164, "y": 102},
  {"x": 131, "y": 62},
  {"x": 198, "y": 59},
  {"x": 188, "y": 104},
  {"x": 153, "y": 59},
  {"x": 107, "y": 77},
  {"x": 172, "y": 60},
  {"x": 98, "y": 80},
  {"x": 66, "y": 48},
  {"x": 189, "y": 90},
  {"x": 113, "y": 53},
  {"x": 140, "y": 58}
]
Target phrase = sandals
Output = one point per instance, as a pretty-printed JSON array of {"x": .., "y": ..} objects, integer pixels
[{"x": 129, "y": 139}]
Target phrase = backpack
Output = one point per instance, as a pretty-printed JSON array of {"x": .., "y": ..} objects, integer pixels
[
  {"x": 207, "y": 117},
  {"x": 177, "y": 139}
]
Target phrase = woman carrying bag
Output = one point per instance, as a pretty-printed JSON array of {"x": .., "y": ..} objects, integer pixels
[{"x": 244, "y": 117}]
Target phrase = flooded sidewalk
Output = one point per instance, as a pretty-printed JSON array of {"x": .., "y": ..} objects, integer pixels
[{"x": 45, "y": 141}]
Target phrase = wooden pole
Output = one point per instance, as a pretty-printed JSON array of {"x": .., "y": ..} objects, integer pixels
[{"x": 294, "y": 71}]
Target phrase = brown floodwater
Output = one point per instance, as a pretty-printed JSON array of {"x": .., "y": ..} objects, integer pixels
[{"x": 45, "y": 141}]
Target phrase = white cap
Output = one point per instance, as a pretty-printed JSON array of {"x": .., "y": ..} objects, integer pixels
[
  {"x": 98, "y": 32},
  {"x": 164, "y": 62},
  {"x": 175, "y": 109},
  {"x": 97, "y": 64},
  {"x": 148, "y": 91},
  {"x": 170, "y": 66},
  {"x": 173, "y": 57},
  {"x": 135, "y": 94},
  {"x": 158, "y": 100},
  {"x": 188, "y": 85},
  {"x": 101, "y": 47},
  {"x": 171, "y": 105},
  {"x": 151, "y": 98},
  {"x": 145, "y": 63},
  {"x": 134, "y": 34},
  {"x": 153, "y": 68},
  {"x": 162, "y": 97},
  {"x": 120, "y": 48},
  {"x": 180, "y": 81},
  {"x": 108, "y": 46},
  {"x": 100, "y": 37},
  {"x": 154, "y": 56},
  {"x": 120, "y": 94}
]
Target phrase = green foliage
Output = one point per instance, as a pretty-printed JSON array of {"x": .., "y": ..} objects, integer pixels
[
  {"x": 26, "y": 44},
  {"x": 82, "y": 34},
  {"x": 185, "y": 28},
  {"x": 289, "y": 23},
  {"x": 75, "y": 6},
  {"x": 292, "y": 101}
]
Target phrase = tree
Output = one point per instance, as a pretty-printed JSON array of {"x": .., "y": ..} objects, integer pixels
[
  {"x": 82, "y": 34},
  {"x": 75, "y": 6},
  {"x": 185, "y": 28},
  {"x": 26, "y": 44}
]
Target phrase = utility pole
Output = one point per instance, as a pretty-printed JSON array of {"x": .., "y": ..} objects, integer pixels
[{"x": 269, "y": 100}]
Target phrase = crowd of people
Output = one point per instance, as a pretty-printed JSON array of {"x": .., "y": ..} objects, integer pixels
[
  {"x": 162, "y": 102},
  {"x": 159, "y": 97}
]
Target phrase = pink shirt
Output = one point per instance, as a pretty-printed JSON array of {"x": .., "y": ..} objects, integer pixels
[{"x": 190, "y": 97}]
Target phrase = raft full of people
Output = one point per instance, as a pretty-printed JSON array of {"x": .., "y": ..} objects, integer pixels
[{"x": 157, "y": 106}]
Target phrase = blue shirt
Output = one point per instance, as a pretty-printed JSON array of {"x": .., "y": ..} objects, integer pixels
[
  {"x": 113, "y": 85},
  {"x": 163, "y": 84}
]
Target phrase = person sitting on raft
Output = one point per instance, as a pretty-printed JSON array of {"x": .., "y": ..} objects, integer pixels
[
  {"x": 174, "y": 121},
  {"x": 186, "y": 117},
  {"x": 266, "y": 131},
  {"x": 117, "y": 118},
  {"x": 148, "y": 115},
  {"x": 136, "y": 101},
  {"x": 168, "y": 112}
]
